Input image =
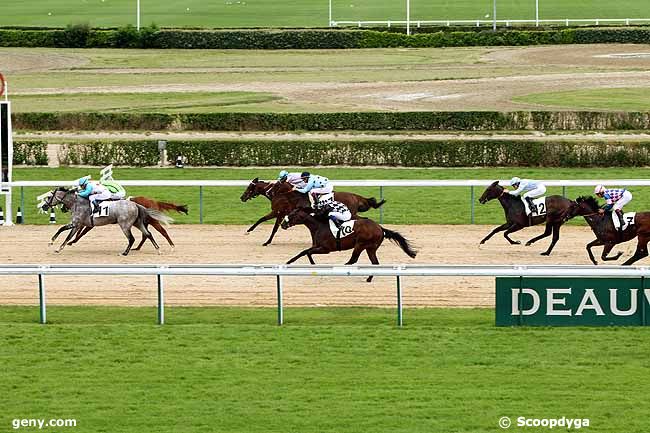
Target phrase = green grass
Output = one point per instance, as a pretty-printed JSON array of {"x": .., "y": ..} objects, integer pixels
[
  {"x": 326, "y": 370},
  {"x": 297, "y": 13},
  {"x": 626, "y": 99},
  {"x": 404, "y": 206},
  {"x": 177, "y": 102}
]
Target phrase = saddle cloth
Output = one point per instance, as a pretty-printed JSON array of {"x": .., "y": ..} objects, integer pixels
[
  {"x": 628, "y": 220},
  {"x": 104, "y": 209},
  {"x": 346, "y": 229},
  {"x": 540, "y": 206}
]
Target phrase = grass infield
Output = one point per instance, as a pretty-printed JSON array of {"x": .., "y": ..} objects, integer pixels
[
  {"x": 326, "y": 370},
  {"x": 404, "y": 205}
]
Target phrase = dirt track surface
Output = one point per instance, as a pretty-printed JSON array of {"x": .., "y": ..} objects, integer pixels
[
  {"x": 228, "y": 245},
  {"x": 556, "y": 68}
]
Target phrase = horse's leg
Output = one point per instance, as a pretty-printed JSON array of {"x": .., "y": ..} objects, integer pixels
[
  {"x": 67, "y": 239},
  {"x": 641, "y": 250},
  {"x": 512, "y": 229},
  {"x": 501, "y": 228},
  {"x": 155, "y": 224},
  {"x": 547, "y": 232},
  {"x": 130, "y": 237},
  {"x": 308, "y": 252},
  {"x": 147, "y": 234},
  {"x": 606, "y": 249},
  {"x": 556, "y": 237},
  {"x": 274, "y": 231},
  {"x": 311, "y": 259},
  {"x": 372, "y": 255},
  {"x": 590, "y": 245},
  {"x": 266, "y": 217},
  {"x": 358, "y": 249},
  {"x": 61, "y": 230},
  {"x": 80, "y": 234}
]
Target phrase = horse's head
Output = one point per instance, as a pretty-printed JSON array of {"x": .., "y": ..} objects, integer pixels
[
  {"x": 296, "y": 217},
  {"x": 255, "y": 188},
  {"x": 491, "y": 192},
  {"x": 53, "y": 198},
  {"x": 584, "y": 206}
]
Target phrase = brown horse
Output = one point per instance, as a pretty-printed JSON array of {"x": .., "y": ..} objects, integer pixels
[
  {"x": 284, "y": 200},
  {"x": 608, "y": 236},
  {"x": 366, "y": 235},
  {"x": 557, "y": 213},
  {"x": 147, "y": 203}
]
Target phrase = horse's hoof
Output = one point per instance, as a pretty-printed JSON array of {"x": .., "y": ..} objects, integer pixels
[
  {"x": 516, "y": 243},
  {"x": 618, "y": 256},
  {"x": 247, "y": 233},
  {"x": 545, "y": 253},
  {"x": 49, "y": 244},
  {"x": 57, "y": 251},
  {"x": 528, "y": 244},
  {"x": 266, "y": 244},
  {"x": 125, "y": 254},
  {"x": 369, "y": 279}
]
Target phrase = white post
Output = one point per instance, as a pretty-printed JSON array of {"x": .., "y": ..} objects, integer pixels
[
  {"x": 330, "y": 12},
  {"x": 494, "y": 15},
  {"x": 536, "y": 13},
  {"x": 138, "y": 14},
  {"x": 408, "y": 17}
]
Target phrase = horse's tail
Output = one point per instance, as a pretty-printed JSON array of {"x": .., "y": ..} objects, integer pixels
[
  {"x": 160, "y": 205},
  {"x": 369, "y": 203},
  {"x": 400, "y": 240},
  {"x": 159, "y": 216}
]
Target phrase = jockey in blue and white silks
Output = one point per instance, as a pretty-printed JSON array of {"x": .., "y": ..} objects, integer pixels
[
  {"x": 93, "y": 191},
  {"x": 315, "y": 186},
  {"x": 615, "y": 199},
  {"x": 527, "y": 189}
]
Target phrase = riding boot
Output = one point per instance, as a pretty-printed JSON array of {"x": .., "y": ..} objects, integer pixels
[
  {"x": 619, "y": 215},
  {"x": 531, "y": 206},
  {"x": 336, "y": 222}
]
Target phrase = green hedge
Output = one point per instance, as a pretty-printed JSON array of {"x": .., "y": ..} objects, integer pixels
[
  {"x": 81, "y": 36},
  {"x": 364, "y": 121},
  {"x": 30, "y": 153},
  {"x": 406, "y": 153}
]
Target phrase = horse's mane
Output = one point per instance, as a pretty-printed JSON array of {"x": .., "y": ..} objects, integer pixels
[{"x": 592, "y": 202}]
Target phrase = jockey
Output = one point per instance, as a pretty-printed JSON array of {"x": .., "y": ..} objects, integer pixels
[
  {"x": 315, "y": 186},
  {"x": 615, "y": 200},
  {"x": 117, "y": 191},
  {"x": 530, "y": 188},
  {"x": 337, "y": 212},
  {"x": 93, "y": 191},
  {"x": 294, "y": 179}
]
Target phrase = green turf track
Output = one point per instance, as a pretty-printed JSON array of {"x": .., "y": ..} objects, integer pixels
[
  {"x": 404, "y": 206},
  {"x": 633, "y": 98},
  {"x": 296, "y": 13},
  {"x": 327, "y": 370}
]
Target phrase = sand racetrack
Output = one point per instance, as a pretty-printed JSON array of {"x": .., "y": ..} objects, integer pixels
[{"x": 438, "y": 244}]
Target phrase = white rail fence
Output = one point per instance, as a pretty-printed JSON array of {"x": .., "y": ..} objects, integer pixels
[
  {"x": 381, "y": 184},
  {"x": 282, "y": 271},
  {"x": 486, "y": 23}
]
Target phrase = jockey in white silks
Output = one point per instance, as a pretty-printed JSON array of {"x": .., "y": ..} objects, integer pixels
[
  {"x": 293, "y": 179},
  {"x": 527, "y": 189}
]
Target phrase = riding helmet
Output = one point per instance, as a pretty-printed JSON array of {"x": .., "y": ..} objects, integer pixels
[
  {"x": 305, "y": 174},
  {"x": 514, "y": 181},
  {"x": 283, "y": 175},
  {"x": 599, "y": 189}
]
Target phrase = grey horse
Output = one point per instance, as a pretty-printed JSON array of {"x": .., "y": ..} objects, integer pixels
[{"x": 123, "y": 212}]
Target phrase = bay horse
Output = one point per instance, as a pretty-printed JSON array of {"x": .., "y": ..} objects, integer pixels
[
  {"x": 366, "y": 235},
  {"x": 557, "y": 213},
  {"x": 147, "y": 203},
  {"x": 608, "y": 236},
  {"x": 284, "y": 200},
  {"x": 122, "y": 212}
]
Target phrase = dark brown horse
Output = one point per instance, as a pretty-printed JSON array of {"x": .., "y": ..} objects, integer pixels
[
  {"x": 147, "y": 203},
  {"x": 366, "y": 235},
  {"x": 557, "y": 213},
  {"x": 284, "y": 200},
  {"x": 607, "y": 235}
]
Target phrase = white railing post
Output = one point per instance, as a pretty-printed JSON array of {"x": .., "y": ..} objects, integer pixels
[
  {"x": 278, "y": 282},
  {"x": 41, "y": 299}
]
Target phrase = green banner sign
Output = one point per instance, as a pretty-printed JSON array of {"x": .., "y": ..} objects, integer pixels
[{"x": 571, "y": 301}]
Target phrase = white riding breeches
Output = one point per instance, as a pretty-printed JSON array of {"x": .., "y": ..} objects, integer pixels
[
  {"x": 341, "y": 216},
  {"x": 117, "y": 195},
  {"x": 327, "y": 189},
  {"x": 104, "y": 195},
  {"x": 625, "y": 199},
  {"x": 534, "y": 193}
]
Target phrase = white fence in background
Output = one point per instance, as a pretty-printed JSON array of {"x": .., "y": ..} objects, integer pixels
[
  {"x": 381, "y": 184},
  {"x": 281, "y": 271},
  {"x": 487, "y": 23}
]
